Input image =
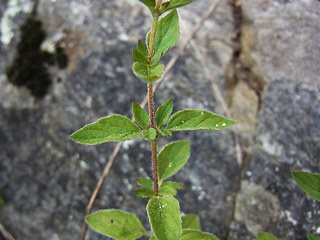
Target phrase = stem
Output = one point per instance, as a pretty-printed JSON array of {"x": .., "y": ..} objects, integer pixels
[
  {"x": 153, "y": 34},
  {"x": 154, "y": 142},
  {"x": 156, "y": 15}
]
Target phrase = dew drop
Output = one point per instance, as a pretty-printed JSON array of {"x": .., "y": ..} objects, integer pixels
[
  {"x": 182, "y": 121},
  {"x": 201, "y": 113},
  {"x": 217, "y": 125},
  {"x": 224, "y": 124}
]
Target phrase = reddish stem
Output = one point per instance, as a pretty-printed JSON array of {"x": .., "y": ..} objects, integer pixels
[{"x": 154, "y": 142}]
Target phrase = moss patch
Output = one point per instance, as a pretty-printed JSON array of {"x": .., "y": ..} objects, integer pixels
[{"x": 30, "y": 64}]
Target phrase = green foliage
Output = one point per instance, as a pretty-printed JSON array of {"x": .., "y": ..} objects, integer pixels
[
  {"x": 164, "y": 132},
  {"x": 146, "y": 72},
  {"x": 190, "y": 234},
  {"x": 164, "y": 216},
  {"x": 118, "y": 224},
  {"x": 141, "y": 116},
  {"x": 140, "y": 54},
  {"x": 172, "y": 184},
  {"x": 167, "y": 35},
  {"x": 162, "y": 208},
  {"x": 168, "y": 5},
  {"x": 150, "y": 134},
  {"x": 312, "y": 237},
  {"x": 144, "y": 182},
  {"x": 172, "y": 158},
  {"x": 144, "y": 192},
  {"x": 150, "y": 4},
  {"x": 108, "y": 129},
  {"x": 163, "y": 113},
  {"x": 309, "y": 183},
  {"x": 30, "y": 65},
  {"x": 167, "y": 190},
  {"x": 266, "y": 236},
  {"x": 190, "y": 221},
  {"x": 198, "y": 120}
]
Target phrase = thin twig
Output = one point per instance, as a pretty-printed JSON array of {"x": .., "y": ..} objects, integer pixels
[
  {"x": 217, "y": 93},
  {"x": 98, "y": 186},
  {"x": 5, "y": 234},
  {"x": 167, "y": 69}
]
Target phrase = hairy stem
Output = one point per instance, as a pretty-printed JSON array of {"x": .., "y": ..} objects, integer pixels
[
  {"x": 153, "y": 34},
  {"x": 154, "y": 142},
  {"x": 150, "y": 97},
  {"x": 156, "y": 15}
]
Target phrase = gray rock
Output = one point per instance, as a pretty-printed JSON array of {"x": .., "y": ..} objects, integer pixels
[{"x": 277, "y": 38}]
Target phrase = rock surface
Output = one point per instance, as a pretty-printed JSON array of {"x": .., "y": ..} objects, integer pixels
[{"x": 47, "y": 179}]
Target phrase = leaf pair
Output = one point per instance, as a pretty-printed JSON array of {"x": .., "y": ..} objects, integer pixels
[
  {"x": 120, "y": 128},
  {"x": 171, "y": 159},
  {"x": 142, "y": 118},
  {"x": 165, "y": 188},
  {"x": 167, "y": 34}
]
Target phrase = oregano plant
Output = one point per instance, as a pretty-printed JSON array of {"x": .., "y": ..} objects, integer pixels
[{"x": 163, "y": 208}]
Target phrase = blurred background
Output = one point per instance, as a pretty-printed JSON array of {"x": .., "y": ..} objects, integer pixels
[{"x": 65, "y": 63}]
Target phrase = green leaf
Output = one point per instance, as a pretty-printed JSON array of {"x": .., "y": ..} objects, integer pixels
[
  {"x": 150, "y": 134},
  {"x": 117, "y": 224},
  {"x": 163, "y": 113},
  {"x": 167, "y": 190},
  {"x": 164, "y": 132},
  {"x": 309, "y": 183},
  {"x": 266, "y": 236},
  {"x": 312, "y": 237},
  {"x": 164, "y": 217},
  {"x": 172, "y": 184},
  {"x": 147, "y": 73},
  {"x": 144, "y": 182},
  {"x": 167, "y": 35},
  {"x": 141, "y": 116},
  {"x": 152, "y": 238},
  {"x": 190, "y": 221},
  {"x": 173, "y": 4},
  {"x": 172, "y": 158},
  {"x": 140, "y": 54},
  {"x": 190, "y": 234},
  {"x": 151, "y": 4},
  {"x": 115, "y": 128},
  {"x": 198, "y": 120},
  {"x": 144, "y": 192}
]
